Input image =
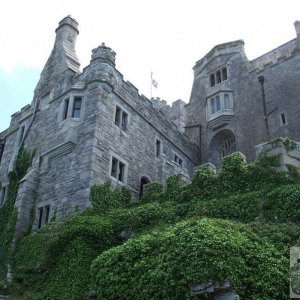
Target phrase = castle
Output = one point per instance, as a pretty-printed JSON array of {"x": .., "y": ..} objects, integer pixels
[{"x": 90, "y": 126}]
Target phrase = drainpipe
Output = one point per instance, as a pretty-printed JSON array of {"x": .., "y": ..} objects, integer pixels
[
  {"x": 261, "y": 80},
  {"x": 200, "y": 141}
]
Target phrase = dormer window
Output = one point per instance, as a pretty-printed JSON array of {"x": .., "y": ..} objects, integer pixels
[{"x": 218, "y": 76}]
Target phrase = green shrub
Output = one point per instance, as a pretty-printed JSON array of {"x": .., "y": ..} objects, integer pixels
[
  {"x": 54, "y": 262},
  {"x": 153, "y": 193},
  {"x": 104, "y": 197},
  {"x": 192, "y": 252}
]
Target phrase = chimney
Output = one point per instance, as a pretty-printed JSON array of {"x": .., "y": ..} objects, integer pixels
[
  {"x": 297, "y": 28},
  {"x": 66, "y": 33}
]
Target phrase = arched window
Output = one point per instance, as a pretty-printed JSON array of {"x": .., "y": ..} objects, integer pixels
[{"x": 221, "y": 145}]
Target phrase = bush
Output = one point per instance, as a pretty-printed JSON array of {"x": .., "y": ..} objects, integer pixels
[
  {"x": 153, "y": 193},
  {"x": 192, "y": 252},
  {"x": 104, "y": 197}
]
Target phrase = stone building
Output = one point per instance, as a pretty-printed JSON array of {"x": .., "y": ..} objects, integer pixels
[
  {"x": 90, "y": 126},
  {"x": 236, "y": 103}
]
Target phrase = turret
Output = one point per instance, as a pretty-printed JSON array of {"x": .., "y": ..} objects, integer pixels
[
  {"x": 62, "y": 58},
  {"x": 104, "y": 54}
]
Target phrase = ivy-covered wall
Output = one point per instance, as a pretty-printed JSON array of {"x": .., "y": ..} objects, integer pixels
[
  {"x": 174, "y": 237},
  {"x": 8, "y": 214}
]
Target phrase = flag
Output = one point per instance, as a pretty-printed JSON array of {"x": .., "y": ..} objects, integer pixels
[{"x": 155, "y": 84}]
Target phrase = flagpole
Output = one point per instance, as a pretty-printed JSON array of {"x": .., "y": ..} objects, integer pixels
[{"x": 151, "y": 85}]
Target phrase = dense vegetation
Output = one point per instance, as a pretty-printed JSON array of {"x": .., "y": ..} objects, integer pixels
[
  {"x": 8, "y": 214},
  {"x": 157, "y": 248}
]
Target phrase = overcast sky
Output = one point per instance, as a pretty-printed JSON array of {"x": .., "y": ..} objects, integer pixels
[{"x": 165, "y": 36}]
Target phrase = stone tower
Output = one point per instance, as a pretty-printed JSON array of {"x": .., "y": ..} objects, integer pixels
[{"x": 62, "y": 63}]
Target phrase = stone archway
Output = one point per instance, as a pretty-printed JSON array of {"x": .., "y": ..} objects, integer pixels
[
  {"x": 144, "y": 180},
  {"x": 221, "y": 145}
]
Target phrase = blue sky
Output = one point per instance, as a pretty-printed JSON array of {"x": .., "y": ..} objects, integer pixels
[
  {"x": 16, "y": 90},
  {"x": 165, "y": 36}
]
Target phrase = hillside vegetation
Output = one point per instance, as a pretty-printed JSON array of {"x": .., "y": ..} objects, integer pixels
[{"x": 236, "y": 225}]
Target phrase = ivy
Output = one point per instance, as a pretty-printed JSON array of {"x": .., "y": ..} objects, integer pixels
[
  {"x": 170, "y": 245},
  {"x": 105, "y": 198},
  {"x": 192, "y": 252},
  {"x": 289, "y": 144},
  {"x": 8, "y": 214}
]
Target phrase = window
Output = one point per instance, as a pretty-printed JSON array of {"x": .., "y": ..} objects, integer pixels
[
  {"x": 177, "y": 160},
  {"x": 121, "y": 118},
  {"x": 227, "y": 101},
  {"x": 44, "y": 213},
  {"x": 212, "y": 80},
  {"x": 66, "y": 108},
  {"x": 222, "y": 103},
  {"x": 215, "y": 105},
  {"x": 76, "y": 107},
  {"x": 157, "y": 148},
  {"x": 2, "y": 195},
  {"x": 228, "y": 147},
  {"x": 283, "y": 120},
  {"x": 124, "y": 121},
  {"x": 121, "y": 171},
  {"x": 218, "y": 76},
  {"x": 40, "y": 217},
  {"x": 47, "y": 214},
  {"x": 224, "y": 74},
  {"x": 118, "y": 169}
]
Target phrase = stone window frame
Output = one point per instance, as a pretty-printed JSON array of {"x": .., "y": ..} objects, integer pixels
[
  {"x": 177, "y": 159},
  {"x": 119, "y": 160},
  {"x": 43, "y": 213},
  {"x": 218, "y": 76},
  {"x": 283, "y": 118},
  {"x": 118, "y": 121},
  {"x": 67, "y": 110},
  {"x": 222, "y": 107},
  {"x": 159, "y": 153}
]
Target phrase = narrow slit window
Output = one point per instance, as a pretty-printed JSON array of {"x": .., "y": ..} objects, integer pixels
[
  {"x": 76, "y": 107},
  {"x": 212, "y": 80},
  {"x": 180, "y": 162},
  {"x": 40, "y": 217},
  {"x": 283, "y": 119},
  {"x": 212, "y": 106},
  {"x": 47, "y": 214},
  {"x": 124, "y": 121},
  {"x": 66, "y": 108},
  {"x": 114, "y": 167},
  {"x": 218, "y": 104},
  {"x": 224, "y": 74},
  {"x": 218, "y": 76},
  {"x": 118, "y": 116},
  {"x": 158, "y": 148},
  {"x": 121, "y": 172}
]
